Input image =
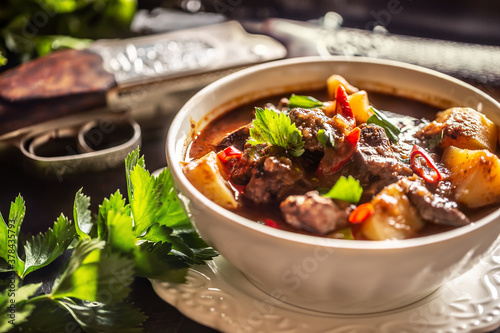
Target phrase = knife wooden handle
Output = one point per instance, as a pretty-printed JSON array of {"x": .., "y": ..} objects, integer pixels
[{"x": 59, "y": 84}]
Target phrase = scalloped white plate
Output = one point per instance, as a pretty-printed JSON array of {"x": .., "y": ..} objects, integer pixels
[{"x": 219, "y": 296}]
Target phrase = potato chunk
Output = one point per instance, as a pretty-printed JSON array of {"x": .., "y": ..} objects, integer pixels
[
  {"x": 463, "y": 128},
  {"x": 358, "y": 99},
  {"x": 394, "y": 216},
  {"x": 360, "y": 106},
  {"x": 334, "y": 81},
  {"x": 475, "y": 174},
  {"x": 205, "y": 175}
]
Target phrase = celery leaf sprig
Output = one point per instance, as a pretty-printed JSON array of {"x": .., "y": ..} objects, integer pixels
[
  {"x": 150, "y": 237},
  {"x": 346, "y": 189},
  {"x": 276, "y": 129}
]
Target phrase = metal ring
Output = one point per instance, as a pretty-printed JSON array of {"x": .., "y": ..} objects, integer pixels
[
  {"x": 97, "y": 133},
  {"x": 85, "y": 158},
  {"x": 39, "y": 141}
]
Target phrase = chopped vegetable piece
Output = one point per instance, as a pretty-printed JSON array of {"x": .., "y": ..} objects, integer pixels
[
  {"x": 461, "y": 127},
  {"x": 475, "y": 174},
  {"x": 361, "y": 213},
  {"x": 336, "y": 80},
  {"x": 345, "y": 233},
  {"x": 394, "y": 216},
  {"x": 229, "y": 157},
  {"x": 380, "y": 119},
  {"x": 346, "y": 189},
  {"x": 335, "y": 159},
  {"x": 343, "y": 106},
  {"x": 306, "y": 102},
  {"x": 360, "y": 106},
  {"x": 325, "y": 138},
  {"x": 271, "y": 223},
  {"x": 228, "y": 153},
  {"x": 205, "y": 174},
  {"x": 276, "y": 129},
  {"x": 430, "y": 177}
]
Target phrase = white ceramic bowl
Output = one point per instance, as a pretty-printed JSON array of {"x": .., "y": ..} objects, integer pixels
[{"x": 334, "y": 276}]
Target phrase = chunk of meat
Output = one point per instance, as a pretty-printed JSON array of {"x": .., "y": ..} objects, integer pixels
[
  {"x": 374, "y": 162},
  {"x": 314, "y": 213},
  {"x": 433, "y": 207},
  {"x": 374, "y": 153},
  {"x": 275, "y": 179},
  {"x": 237, "y": 139},
  {"x": 310, "y": 121},
  {"x": 252, "y": 157}
]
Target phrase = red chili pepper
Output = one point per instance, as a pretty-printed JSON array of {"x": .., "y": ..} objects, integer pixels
[
  {"x": 333, "y": 159},
  {"x": 229, "y": 157},
  {"x": 361, "y": 213},
  {"x": 343, "y": 105},
  {"x": 353, "y": 137},
  {"x": 226, "y": 154},
  {"x": 430, "y": 177},
  {"x": 271, "y": 223}
]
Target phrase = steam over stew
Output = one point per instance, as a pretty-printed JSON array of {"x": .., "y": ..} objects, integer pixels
[{"x": 335, "y": 166}]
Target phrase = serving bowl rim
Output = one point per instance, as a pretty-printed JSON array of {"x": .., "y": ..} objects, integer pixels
[{"x": 175, "y": 167}]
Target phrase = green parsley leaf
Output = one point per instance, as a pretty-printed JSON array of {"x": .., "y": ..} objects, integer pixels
[
  {"x": 145, "y": 195},
  {"x": 325, "y": 138},
  {"x": 186, "y": 243},
  {"x": 155, "y": 261},
  {"x": 380, "y": 119},
  {"x": 153, "y": 258},
  {"x": 346, "y": 189},
  {"x": 200, "y": 249},
  {"x": 9, "y": 239},
  {"x": 93, "y": 276},
  {"x": 116, "y": 203},
  {"x": 170, "y": 213},
  {"x": 305, "y": 102},
  {"x": 157, "y": 219},
  {"x": 4, "y": 236},
  {"x": 133, "y": 160},
  {"x": 120, "y": 236},
  {"x": 156, "y": 244},
  {"x": 47, "y": 316},
  {"x": 82, "y": 215},
  {"x": 43, "y": 249},
  {"x": 22, "y": 310},
  {"x": 158, "y": 233},
  {"x": 276, "y": 129}
]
